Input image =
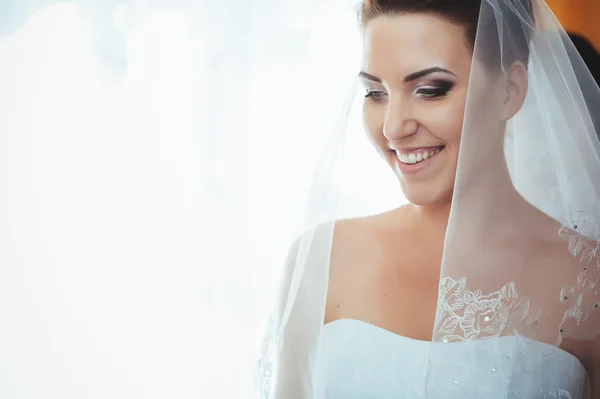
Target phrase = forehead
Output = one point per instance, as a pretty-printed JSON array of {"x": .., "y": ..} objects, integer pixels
[{"x": 408, "y": 42}]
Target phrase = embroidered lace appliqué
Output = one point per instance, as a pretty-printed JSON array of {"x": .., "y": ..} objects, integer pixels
[
  {"x": 465, "y": 315},
  {"x": 267, "y": 362},
  {"x": 555, "y": 394},
  {"x": 583, "y": 237}
]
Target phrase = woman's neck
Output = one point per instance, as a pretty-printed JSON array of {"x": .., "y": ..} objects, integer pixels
[{"x": 482, "y": 198}]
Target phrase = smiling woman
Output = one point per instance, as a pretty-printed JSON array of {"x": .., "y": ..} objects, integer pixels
[
  {"x": 484, "y": 284},
  {"x": 425, "y": 92}
]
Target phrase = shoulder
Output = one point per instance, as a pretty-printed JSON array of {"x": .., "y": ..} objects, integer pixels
[
  {"x": 371, "y": 224},
  {"x": 358, "y": 245},
  {"x": 360, "y": 241},
  {"x": 332, "y": 242},
  {"x": 351, "y": 234}
]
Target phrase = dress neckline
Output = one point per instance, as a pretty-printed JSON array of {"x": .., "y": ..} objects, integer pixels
[{"x": 365, "y": 324}]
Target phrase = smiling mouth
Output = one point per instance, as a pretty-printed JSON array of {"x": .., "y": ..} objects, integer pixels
[{"x": 418, "y": 156}]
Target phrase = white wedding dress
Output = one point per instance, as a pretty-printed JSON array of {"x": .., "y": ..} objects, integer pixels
[{"x": 360, "y": 360}]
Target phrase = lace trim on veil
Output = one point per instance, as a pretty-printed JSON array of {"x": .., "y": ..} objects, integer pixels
[{"x": 466, "y": 315}]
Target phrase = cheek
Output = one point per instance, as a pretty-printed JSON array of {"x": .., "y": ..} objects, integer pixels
[
  {"x": 454, "y": 126},
  {"x": 447, "y": 122}
]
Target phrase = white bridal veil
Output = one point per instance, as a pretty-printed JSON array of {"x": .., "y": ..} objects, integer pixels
[{"x": 521, "y": 265}]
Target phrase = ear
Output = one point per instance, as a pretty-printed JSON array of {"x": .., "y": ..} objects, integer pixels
[{"x": 517, "y": 83}]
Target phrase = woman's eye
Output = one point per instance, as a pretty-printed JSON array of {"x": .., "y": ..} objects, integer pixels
[
  {"x": 375, "y": 95},
  {"x": 433, "y": 92}
]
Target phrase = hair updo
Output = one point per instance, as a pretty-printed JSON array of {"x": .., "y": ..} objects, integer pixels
[{"x": 516, "y": 31}]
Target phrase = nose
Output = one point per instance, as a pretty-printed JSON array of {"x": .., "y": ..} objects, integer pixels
[{"x": 399, "y": 122}]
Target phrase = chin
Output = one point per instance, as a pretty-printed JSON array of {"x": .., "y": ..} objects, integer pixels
[{"x": 426, "y": 193}]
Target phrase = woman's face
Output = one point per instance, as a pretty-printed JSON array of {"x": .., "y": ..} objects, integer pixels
[{"x": 415, "y": 72}]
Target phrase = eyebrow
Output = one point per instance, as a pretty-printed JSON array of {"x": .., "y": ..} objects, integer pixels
[{"x": 408, "y": 78}]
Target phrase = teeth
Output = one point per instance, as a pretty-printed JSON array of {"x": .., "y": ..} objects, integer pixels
[{"x": 413, "y": 158}]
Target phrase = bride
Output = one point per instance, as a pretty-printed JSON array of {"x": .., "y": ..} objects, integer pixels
[{"x": 485, "y": 284}]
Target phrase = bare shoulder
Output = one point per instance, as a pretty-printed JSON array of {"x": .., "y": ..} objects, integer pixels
[
  {"x": 349, "y": 238},
  {"x": 358, "y": 245},
  {"x": 355, "y": 238}
]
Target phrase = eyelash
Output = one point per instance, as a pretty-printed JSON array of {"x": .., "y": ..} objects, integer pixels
[
  {"x": 432, "y": 93},
  {"x": 429, "y": 93},
  {"x": 373, "y": 93}
]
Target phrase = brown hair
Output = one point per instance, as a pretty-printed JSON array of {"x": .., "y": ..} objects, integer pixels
[{"x": 467, "y": 14}]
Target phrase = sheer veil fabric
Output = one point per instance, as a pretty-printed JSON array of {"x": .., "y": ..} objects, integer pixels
[{"x": 521, "y": 247}]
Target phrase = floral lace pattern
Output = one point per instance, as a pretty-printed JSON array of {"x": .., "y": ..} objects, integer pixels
[
  {"x": 555, "y": 394},
  {"x": 464, "y": 315},
  {"x": 267, "y": 363},
  {"x": 583, "y": 238}
]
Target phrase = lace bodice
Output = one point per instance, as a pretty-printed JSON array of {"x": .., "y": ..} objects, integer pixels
[{"x": 359, "y": 360}]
